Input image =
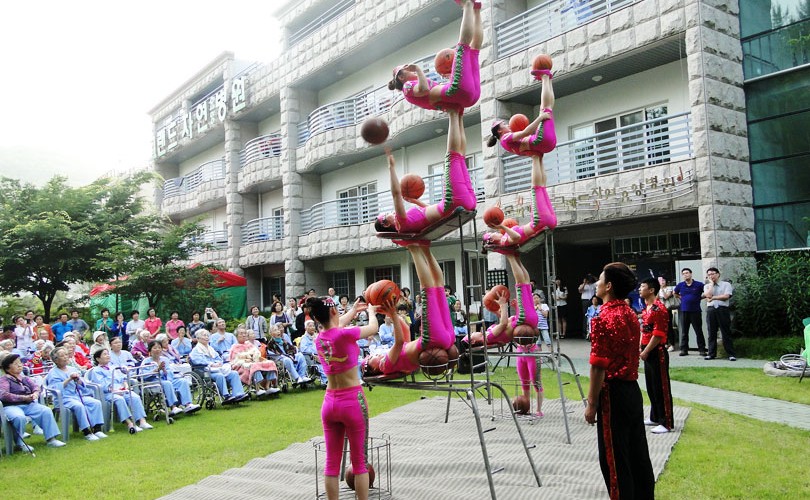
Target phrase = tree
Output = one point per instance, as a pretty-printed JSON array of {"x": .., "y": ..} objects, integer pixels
[{"x": 53, "y": 236}]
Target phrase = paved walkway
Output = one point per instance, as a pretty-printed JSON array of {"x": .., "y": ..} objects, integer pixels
[{"x": 766, "y": 409}]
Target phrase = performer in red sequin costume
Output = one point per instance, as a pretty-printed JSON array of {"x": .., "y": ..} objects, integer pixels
[
  {"x": 614, "y": 398},
  {"x": 654, "y": 329}
]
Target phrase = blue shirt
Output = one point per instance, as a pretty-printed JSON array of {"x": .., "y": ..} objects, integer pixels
[
  {"x": 690, "y": 295},
  {"x": 222, "y": 343},
  {"x": 387, "y": 334},
  {"x": 60, "y": 329}
]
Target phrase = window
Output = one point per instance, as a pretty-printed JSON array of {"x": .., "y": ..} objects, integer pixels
[
  {"x": 343, "y": 283},
  {"x": 271, "y": 285},
  {"x": 448, "y": 268},
  {"x": 374, "y": 274},
  {"x": 357, "y": 204},
  {"x": 277, "y": 224}
]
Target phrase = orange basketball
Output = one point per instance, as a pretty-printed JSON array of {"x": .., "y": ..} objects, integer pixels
[
  {"x": 374, "y": 130},
  {"x": 491, "y": 298},
  {"x": 412, "y": 186},
  {"x": 381, "y": 291},
  {"x": 521, "y": 405},
  {"x": 444, "y": 61},
  {"x": 349, "y": 476},
  {"x": 493, "y": 216},
  {"x": 543, "y": 61},
  {"x": 518, "y": 122},
  {"x": 433, "y": 360},
  {"x": 452, "y": 356}
]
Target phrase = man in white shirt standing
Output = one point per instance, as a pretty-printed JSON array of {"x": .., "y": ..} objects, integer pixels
[{"x": 717, "y": 294}]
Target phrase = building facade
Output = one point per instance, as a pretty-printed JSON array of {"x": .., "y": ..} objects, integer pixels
[{"x": 652, "y": 165}]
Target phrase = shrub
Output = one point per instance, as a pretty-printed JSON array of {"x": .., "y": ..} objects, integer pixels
[
  {"x": 767, "y": 348},
  {"x": 773, "y": 301}
]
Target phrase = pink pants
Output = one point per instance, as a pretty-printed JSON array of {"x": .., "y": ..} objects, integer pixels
[
  {"x": 437, "y": 328},
  {"x": 527, "y": 368},
  {"x": 464, "y": 87},
  {"x": 545, "y": 138},
  {"x": 458, "y": 190},
  {"x": 543, "y": 214},
  {"x": 526, "y": 313},
  {"x": 345, "y": 412}
]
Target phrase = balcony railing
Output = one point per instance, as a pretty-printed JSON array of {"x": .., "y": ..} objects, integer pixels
[
  {"x": 207, "y": 241},
  {"x": 337, "y": 9},
  {"x": 210, "y": 171},
  {"x": 777, "y": 50},
  {"x": 266, "y": 146},
  {"x": 662, "y": 140},
  {"x": 264, "y": 229},
  {"x": 355, "y": 109},
  {"x": 364, "y": 209},
  {"x": 548, "y": 20}
]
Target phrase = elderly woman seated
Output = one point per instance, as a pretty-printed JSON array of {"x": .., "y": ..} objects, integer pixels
[
  {"x": 19, "y": 395},
  {"x": 79, "y": 359},
  {"x": 182, "y": 344},
  {"x": 172, "y": 385},
  {"x": 140, "y": 348},
  {"x": 205, "y": 356},
  {"x": 170, "y": 354},
  {"x": 310, "y": 352},
  {"x": 251, "y": 366},
  {"x": 116, "y": 391},
  {"x": 99, "y": 342},
  {"x": 76, "y": 396},
  {"x": 40, "y": 362},
  {"x": 278, "y": 349},
  {"x": 119, "y": 357}
]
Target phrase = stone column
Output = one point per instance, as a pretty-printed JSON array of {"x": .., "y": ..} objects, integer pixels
[
  {"x": 293, "y": 111},
  {"x": 725, "y": 197},
  {"x": 234, "y": 204}
]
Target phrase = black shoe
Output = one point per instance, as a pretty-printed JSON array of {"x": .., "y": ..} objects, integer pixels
[
  {"x": 707, "y": 358},
  {"x": 683, "y": 353},
  {"x": 240, "y": 398},
  {"x": 704, "y": 353},
  {"x": 227, "y": 400}
]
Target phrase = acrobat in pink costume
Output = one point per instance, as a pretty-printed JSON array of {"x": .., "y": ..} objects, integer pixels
[
  {"x": 464, "y": 87},
  {"x": 527, "y": 373},
  {"x": 344, "y": 411}
]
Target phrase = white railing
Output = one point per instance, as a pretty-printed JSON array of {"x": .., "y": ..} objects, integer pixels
[
  {"x": 264, "y": 229},
  {"x": 209, "y": 171},
  {"x": 266, "y": 146},
  {"x": 355, "y": 109},
  {"x": 548, "y": 20},
  {"x": 364, "y": 209},
  {"x": 662, "y": 140},
  {"x": 207, "y": 241},
  {"x": 337, "y": 9}
]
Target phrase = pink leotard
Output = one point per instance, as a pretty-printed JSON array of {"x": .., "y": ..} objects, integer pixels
[
  {"x": 463, "y": 89},
  {"x": 543, "y": 216},
  {"x": 542, "y": 141},
  {"x": 501, "y": 338},
  {"x": 414, "y": 221},
  {"x": 527, "y": 367},
  {"x": 437, "y": 328},
  {"x": 403, "y": 364},
  {"x": 526, "y": 313},
  {"x": 338, "y": 349}
]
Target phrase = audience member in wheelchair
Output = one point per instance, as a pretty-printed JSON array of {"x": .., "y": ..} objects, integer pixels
[
  {"x": 116, "y": 390},
  {"x": 178, "y": 363},
  {"x": 140, "y": 349},
  {"x": 182, "y": 344},
  {"x": 251, "y": 366},
  {"x": 76, "y": 396},
  {"x": 99, "y": 342},
  {"x": 120, "y": 358},
  {"x": 280, "y": 351},
  {"x": 310, "y": 352},
  {"x": 203, "y": 355},
  {"x": 221, "y": 340},
  {"x": 19, "y": 395},
  {"x": 173, "y": 386}
]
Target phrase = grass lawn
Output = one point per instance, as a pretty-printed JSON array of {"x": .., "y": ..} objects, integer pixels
[
  {"x": 719, "y": 455},
  {"x": 747, "y": 380}
]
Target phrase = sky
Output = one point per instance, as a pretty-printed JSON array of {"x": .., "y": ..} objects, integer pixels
[{"x": 80, "y": 77}]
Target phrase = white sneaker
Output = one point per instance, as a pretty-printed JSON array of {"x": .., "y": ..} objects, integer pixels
[
  {"x": 100, "y": 435},
  {"x": 26, "y": 448},
  {"x": 671, "y": 348},
  {"x": 26, "y": 435},
  {"x": 137, "y": 429},
  {"x": 146, "y": 426},
  {"x": 176, "y": 411},
  {"x": 91, "y": 437},
  {"x": 38, "y": 430},
  {"x": 273, "y": 390},
  {"x": 660, "y": 430},
  {"x": 54, "y": 443},
  {"x": 304, "y": 380},
  {"x": 647, "y": 421},
  {"x": 260, "y": 392}
]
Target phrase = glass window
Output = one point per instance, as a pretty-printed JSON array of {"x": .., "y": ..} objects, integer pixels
[
  {"x": 343, "y": 283},
  {"x": 757, "y": 16},
  {"x": 374, "y": 274},
  {"x": 782, "y": 226},
  {"x": 271, "y": 285},
  {"x": 781, "y": 181},
  {"x": 778, "y": 95},
  {"x": 779, "y": 137}
]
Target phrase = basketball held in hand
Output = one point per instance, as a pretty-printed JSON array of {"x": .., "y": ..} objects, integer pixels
[
  {"x": 412, "y": 186},
  {"x": 543, "y": 61},
  {"x": 493, "y": 216},
  {"x": 374, "y": 130},
  {"x": 381, "y": 291},
  {"x": 518, "y": 122},
  {"x": 443, "y": 63}
]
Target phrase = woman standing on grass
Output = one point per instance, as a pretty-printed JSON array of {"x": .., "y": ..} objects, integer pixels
[{"x": 344, "y": 411}]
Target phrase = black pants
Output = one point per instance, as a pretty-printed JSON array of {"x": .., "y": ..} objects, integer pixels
[
  {"x": 719, "y": 317},
  {"x": 696, "y": 320},
  {"x": 623, "y": 453},
  {"x": 672, "y": 333},
  {"x": 656, "y": 374}
]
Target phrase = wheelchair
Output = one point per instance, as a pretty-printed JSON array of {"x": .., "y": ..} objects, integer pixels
[
  {"x": 203, "y": 389},
  {"x": 143, "y": 381}
]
